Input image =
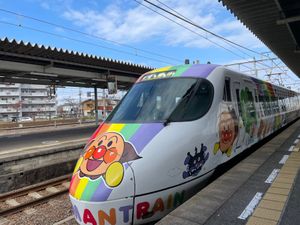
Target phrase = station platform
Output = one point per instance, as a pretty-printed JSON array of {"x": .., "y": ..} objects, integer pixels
[{"x": 262, "y": 189}]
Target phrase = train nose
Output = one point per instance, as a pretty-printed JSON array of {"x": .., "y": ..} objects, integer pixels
[{"x": 94, "y": 202}]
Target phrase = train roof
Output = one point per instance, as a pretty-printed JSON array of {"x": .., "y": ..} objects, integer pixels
[
  {"x": 187, "y": 70},
  {"x": 199, "y": 71}
]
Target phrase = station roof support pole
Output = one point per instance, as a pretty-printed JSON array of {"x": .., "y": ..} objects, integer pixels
[{"x": 96, "y": 105}]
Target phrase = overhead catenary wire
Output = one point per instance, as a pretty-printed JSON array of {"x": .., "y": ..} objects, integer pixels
[
  {"x": 90, "y": 35},
  {"x": 104, "y": 39},
  {"x": 231, "y": 44},
  {"x": 178, "y": 13},
  {"x": 87, "y": 34},
  {"x": 200, "y": 27},
  {"x": 187, "y": 28},
  {"x": 84, "y": 42},
  {"x": 187, "y": 20},
  {"x": 94, "y": 36},
  {"x": 204, "y": 29},
  {"x": 232, "y": 52}
]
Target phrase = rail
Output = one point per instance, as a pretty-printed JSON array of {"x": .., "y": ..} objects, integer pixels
[{"x": 12, "y": 206}]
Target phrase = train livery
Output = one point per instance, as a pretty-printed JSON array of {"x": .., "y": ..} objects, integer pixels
[{"x": 167, "y": 136}]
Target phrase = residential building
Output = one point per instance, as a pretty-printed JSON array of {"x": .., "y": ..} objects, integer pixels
[
  {"x": 105, "y": 106},
  {"x": 69, "y": 110},
  {"x": 26, "y": 100}
]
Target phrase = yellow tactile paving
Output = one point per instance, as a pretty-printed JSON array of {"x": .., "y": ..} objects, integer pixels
[
  {"x": 284, "y": 180},
  {"x": 294, "y": 155},
  {"x": 292, "y": 167},
  {"x": 281, "y": 185},
  {"x": 290, "y": 164},
  {"x": 275, "y": 197},
  {"x": 288, "y": 171},
  {"x": 267, "y": 204},
  {"x": 284, "y": 175},
  {"x": 272, "y": 204},
  {"x": 293, "y": 161},
  {"x": 259, "y": 221},
  {"x": 280, "y": 191},
  {"x": 269, "y": 214}
]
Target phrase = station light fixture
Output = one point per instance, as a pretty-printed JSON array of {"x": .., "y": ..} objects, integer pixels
[
  {"x": 97, "y": 79},
  {"x": 43, "y": 74}
]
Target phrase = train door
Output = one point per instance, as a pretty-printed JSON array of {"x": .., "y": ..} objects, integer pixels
[
  {"x": 227, "y": 123},
  {"x": 236, "y": 88}
]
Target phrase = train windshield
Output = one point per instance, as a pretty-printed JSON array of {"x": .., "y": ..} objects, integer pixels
[{"x": 163, "y": 99}]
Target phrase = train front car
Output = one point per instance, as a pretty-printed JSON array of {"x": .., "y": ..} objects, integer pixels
[{"x": 145, "y": 159}]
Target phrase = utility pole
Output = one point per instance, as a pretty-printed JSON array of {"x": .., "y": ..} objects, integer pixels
[
  {"x": 20, "y": 113},
  {"x": 96, "y": 105},
  {"x": 255, "y": 69},
  {"x": 104, "y": 103},
  {"x": 79, "y": 106}
]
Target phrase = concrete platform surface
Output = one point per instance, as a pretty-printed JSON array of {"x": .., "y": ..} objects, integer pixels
[
  {"x": 45, "y": 139},
  {"x": 262, "y": 189}
]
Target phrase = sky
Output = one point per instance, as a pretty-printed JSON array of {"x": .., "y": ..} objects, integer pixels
[{"x": 127, "y": 30}]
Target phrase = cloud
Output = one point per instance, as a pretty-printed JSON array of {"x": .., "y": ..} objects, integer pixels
[
  {"x": 45, "y": 5},
  {"x": 59, "y": 30},
  {"x": 137, "y": 24}
]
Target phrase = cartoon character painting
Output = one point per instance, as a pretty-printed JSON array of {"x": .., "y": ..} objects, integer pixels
[
  {"x": 195, "y": 163},
  {"x": 104, "y": 156},
  {"x": 228, "y": 131},
  {"x": 262, "y": 129},
  {"x": 277, "y": 122},
  {"x": 248, "y": 111}
]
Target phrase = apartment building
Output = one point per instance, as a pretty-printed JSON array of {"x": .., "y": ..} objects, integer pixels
[{"x": 25, "y": 100}]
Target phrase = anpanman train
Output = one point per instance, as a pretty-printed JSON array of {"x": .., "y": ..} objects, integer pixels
[{"x": 167, "y": 136}]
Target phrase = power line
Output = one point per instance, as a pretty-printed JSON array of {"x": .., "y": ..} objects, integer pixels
[
  {"x": 115, "y": 42},
  {"x": 80, "y": 41},
  {"x": 264, "y": 54},
  {"x": 193, "y": 22},
  {"x": 192, "y": 31},
  {"x": 98, "y": 37},
  {"x": 87, "y": 34},
  {"x": 202, "y": 28}
]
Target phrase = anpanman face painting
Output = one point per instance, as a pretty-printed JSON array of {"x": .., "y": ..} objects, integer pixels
[
  {"x": 226, "y": 131},
  {"x": 104, "y": 155}
]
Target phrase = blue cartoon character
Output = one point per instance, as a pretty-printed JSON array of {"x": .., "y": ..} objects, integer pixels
[{"x": 194, "y": 163}]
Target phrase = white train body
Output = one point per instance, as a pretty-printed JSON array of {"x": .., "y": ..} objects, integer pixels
[{"x": 169, "y": 133}]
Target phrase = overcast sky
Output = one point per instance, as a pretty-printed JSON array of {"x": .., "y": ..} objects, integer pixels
[{"x": 132, "y": 32}]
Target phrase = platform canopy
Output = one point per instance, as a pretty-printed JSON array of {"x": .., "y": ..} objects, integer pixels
[
  {"x": 38, "y": 64},
  {"x": 275, "y": 22}
]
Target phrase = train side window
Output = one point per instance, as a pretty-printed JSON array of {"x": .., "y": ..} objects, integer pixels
[
  {"x": 237, "y": 91},
  {"x": 251, "y": 106},
  {"x": 255, "y": 93},
  {"x": 197, "y": 105},
  {"x": 226, "y": 92}
]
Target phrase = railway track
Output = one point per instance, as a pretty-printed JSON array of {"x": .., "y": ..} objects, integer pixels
[{"x": 16, "y": 201}]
